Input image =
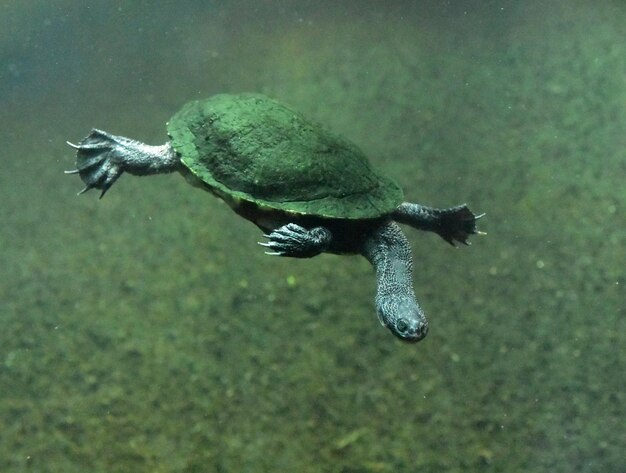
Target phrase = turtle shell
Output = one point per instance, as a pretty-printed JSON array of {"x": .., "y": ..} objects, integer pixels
[{"x": 251, "y": 147}]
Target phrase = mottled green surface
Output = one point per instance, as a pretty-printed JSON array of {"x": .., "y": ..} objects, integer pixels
[
  {"x": 251, "y": 147},
  {"x": 147, "y": 332}
]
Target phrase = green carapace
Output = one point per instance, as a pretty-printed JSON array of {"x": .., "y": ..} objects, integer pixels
[{"x": 258, "y": 150}]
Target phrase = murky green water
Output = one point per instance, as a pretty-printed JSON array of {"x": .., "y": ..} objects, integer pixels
[{"x": 147, "y": 332}]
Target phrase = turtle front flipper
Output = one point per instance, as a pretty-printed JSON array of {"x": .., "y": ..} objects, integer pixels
[
  {"x": 297, "y": 242},
  {"x": 101, "y": 158},
  {"x": 96, "y": 163}
]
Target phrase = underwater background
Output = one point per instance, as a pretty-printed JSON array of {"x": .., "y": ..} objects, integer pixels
[{"x": 148, "y": 332}]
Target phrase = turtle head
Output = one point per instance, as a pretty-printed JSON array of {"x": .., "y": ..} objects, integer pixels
[{"x": 403, "y": 317}]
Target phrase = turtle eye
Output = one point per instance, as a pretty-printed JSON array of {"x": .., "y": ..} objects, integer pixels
[{"x": 402, "y": 325}]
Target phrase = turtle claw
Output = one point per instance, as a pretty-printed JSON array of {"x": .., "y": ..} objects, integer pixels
[
  {"x": 269, "y": 245},
  {"x": 478, "y": 232},
  {"x": 87, "y": 187}
]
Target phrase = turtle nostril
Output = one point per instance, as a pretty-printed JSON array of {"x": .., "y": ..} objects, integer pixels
[{"x": 422, "y": 330}]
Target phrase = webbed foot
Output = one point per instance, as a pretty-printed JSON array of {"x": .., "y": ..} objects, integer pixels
[
  {"x": 296, "y": 241},
  {"x": 98, "y": 160},
  {"x": 456, "y": 224}
]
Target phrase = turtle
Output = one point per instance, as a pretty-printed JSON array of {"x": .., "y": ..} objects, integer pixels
[{"x": 310, "y": 191}]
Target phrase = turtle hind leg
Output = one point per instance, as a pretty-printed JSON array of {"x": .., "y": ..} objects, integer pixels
[
  {"x": 454, "y": 224},
  {"x": 101, "y": 158}
]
